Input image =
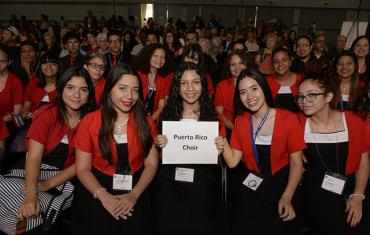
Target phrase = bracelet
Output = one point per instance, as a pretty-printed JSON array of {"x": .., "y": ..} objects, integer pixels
[
  {"x": 26, "y": 192},
  {"x": 357, "y": 194},
  {"x": 99, "y": 190}
]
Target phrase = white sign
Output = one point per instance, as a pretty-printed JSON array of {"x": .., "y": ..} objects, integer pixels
[{"x": 190, "y": 142}]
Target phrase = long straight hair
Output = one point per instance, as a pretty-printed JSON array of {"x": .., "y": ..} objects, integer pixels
[{"x": 109, "y": 114}]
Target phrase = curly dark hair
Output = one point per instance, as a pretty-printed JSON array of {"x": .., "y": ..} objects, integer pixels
[
  {"x": 142, "y": 62},
  {"x": 321, "y": 72},
  {"x": 173, "y": 109},
  {"x": 361, "y": 105}
]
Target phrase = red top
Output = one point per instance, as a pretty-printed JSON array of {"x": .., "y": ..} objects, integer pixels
[
  {"x": 35, "y": 94},
  {"x": 3, "y": 130},
  {"x": 225, "y": 97},
  {"x": 286, "y": 139},
  {"x": 160, "y": 86},
  {"x": 357, "y": 140},
  {"x": 87, "y": 140},
  {"x": 275, "y": 86},
  {"x": 367, "y": 127},
  {"x": 49, "y": 131},
  {"x": 11, "y": 95},
  {"x": 99, "y": 90},
  {"x": 211, "y": 88}
]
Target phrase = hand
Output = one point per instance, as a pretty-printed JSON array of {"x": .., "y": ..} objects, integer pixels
[
  {"x": 285, "y": 208},
  {"x": 220, "y": 143},
  {"x": 160, "y": 141},
  {"x": 354, "y": 209},
  {"x": 127, "y": 203},
  {"x": 30, "y": 206},
  {"x": 110, "y": 203}
]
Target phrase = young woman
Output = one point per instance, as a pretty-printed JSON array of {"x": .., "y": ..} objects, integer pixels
[
  {"x": 172, "y": 43},
  {"x": 283, "y": 83},
  {"x": 115, "y": 161},
  {"x": 360, "y": 47},
  {"x": 187, "y": 207},
  {"x": 11, "y": 89},
  {"x": 337, "y": 166},
  {"x": 95, "y": 64},
  {"x": 154, "y": 65},
  {"x": 224, "y": 98},
  {"x": 42, "y": 89},
  {"x": 346, "y": 68},
  {"x": 271, "y": 151},
  {"x": 35, "y": 192}
]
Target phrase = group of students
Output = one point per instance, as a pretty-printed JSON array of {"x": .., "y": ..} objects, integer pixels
[{"x": 295, "y": 151}]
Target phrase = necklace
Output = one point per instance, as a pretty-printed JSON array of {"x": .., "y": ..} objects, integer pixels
[{"x": 118, "y": 126}]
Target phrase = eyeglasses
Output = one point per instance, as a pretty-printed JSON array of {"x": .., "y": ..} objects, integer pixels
[
  {"x": 97, "y": 66},
  {"x": 310, "y": 97},
  {"x": 73, "y": 43},
  {"x": 115, "y": 41}
]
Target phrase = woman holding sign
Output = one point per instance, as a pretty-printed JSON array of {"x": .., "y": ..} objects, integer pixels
[
  {"x": 337, "y": 160},
  {"x": 271, "y": 152},
  {"x": 115, "y": 160},
  {"x": 186, "y": 196}
]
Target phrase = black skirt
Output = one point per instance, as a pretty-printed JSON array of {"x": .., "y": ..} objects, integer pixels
[
  {"x": 90, "y": 217},
  {"x": 184, "y": 207}
]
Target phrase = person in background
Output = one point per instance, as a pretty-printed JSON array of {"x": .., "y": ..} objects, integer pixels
[
  {"x": 92, "y": 44},
  {"x": 172, "y": 42},
  {"x": 95, "y": 64},
  {"x": 116, "y": 54},
  {"x": 9, "y": 37},
  {"x": 283, "y": 83},
  {"x": 42, "y": 89},
  {"x": 303, "y": 51},
  {"x": 339, "y": 46},
  {"x": 103, "y": 44},
  {"x": 320, "y": 47},
  {"x": 360, "y": 47},
  {"x": 50, "y": 45},
  {"x": 74, "y": 58}
]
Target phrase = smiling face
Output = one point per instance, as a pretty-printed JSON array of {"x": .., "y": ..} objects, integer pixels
[
  {"x": 4, "y": 62},
  {"x": 28, "y": 53},
  {"x": 345, "y": 67},
  {"x": 158, "y": 59},
  {"x": 75, "y": 93},
  {"x": 309, "y": 88},
  {"x": 303, "y": 48},
  {"x": 361, "y": 48},
  {"x": 281, "y": 63},
  {"x": 125, "y": 93},
  {"x": 190, "y": 87},
  {"x": 236, "y": 66},
  {"x": 251, "y": 95},
  {"x": 49, "y": 69}
]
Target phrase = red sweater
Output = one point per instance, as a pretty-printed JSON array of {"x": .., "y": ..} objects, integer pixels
[
  {"x": 87, "y": 140},
  {"x": 34, "y": 94},
  {"x": 286, "y": 139},
  {"x": 11, "y": 95}
]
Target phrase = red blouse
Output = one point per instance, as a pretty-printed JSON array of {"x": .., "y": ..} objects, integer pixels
[
  {"x": 11, "y": 95},
  {"x": 35, "y": 94},
  {"x": 275, "y": 86},
  {"x": 99, "y": 90},
  {"x": 357, "y": 140},
  {"x": 225, "y": 97},
  {"x": 47, "y": 130},
  {"x": 87, "y": 140},
  {"x": 286, "y": 139}
]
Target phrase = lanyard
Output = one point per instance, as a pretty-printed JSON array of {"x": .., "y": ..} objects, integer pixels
[
  {"x": 254, "y": 135},
  {"x": 341, "y": 103},
  {"x": 110, "y": 59},
  {"x": 150, "y": 92}
]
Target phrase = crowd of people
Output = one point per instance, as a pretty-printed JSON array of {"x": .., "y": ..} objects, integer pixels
[{"x": 81, "y": 129}]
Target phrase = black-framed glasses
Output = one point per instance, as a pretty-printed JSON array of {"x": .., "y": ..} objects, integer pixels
[
  {"x": 97, "y": 66},
  {"x": 310, "y": 97}
]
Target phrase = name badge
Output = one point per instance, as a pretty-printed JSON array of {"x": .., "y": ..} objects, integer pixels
[
  {"x": 184, "y": 174},
  {"x": 122, "y": 182},
  {"x": 334, "y": 182},
  {"x": 252, "y": 181}
]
